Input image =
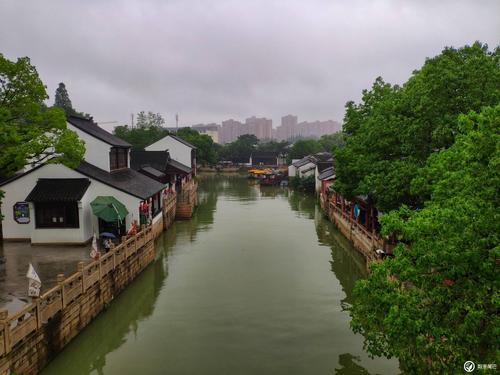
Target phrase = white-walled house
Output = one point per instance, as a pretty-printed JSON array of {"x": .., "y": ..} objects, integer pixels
[
  {"x": 304, "y": 167},
  {"x": 323, "y": 172},
  {"x": 50, "y": 203},
  {"x": 292, "y": 169},
  {"x": 179, "y": 150}
]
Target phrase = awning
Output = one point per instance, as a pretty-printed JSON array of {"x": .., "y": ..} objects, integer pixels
[
  {"x": 108, "y": 208},
  {"x": 58, "y": 190}
]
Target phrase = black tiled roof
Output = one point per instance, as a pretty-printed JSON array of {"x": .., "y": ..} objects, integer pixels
[
  {"x": 181, "y": 140},
  {"x": 304, "y": 161},
  {"x": 179, "y": 166},
  {"x": 327, "y": 173},
  {"x": 152, "y": 171},
  {"x": 126, "y": 180},
  {"x": 90, "y": 127},
  {"x": 156, "y": 159},
  {"x": 58, "y": 190},
  {"x": 323, "y": 156},
  {"x": 322, "y": 165}
]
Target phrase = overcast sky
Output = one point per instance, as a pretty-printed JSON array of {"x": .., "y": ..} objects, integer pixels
[{"x": 211, "y": 60}]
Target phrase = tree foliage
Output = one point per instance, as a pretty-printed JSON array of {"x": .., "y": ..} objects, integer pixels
[
  {"x": 306, "y": 184},
  {"x": 140, "y": 137},
  {"x": 31, "y": 133},
  {"x": 240, "y": 150},
  {"x": 62, "y": 100},
  {"x": 390, "y": 134},
  {"x": 205, "y": 150},
  {"x": 436, "y": 303},
  {"x": 150, "y": 119},
  {"x": 304, "y": 147}
]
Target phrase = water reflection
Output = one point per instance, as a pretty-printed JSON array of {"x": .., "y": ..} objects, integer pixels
[
  {"x": 349, "y": 366},
  {"x": 114, "y": 327},
  {"x": 258, "y": 285}
]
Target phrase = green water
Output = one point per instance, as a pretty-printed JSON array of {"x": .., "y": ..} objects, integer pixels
[{"x": 256, "y": 283}]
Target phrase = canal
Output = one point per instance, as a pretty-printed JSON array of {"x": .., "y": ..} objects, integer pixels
[{"x": 256, "y": 283}]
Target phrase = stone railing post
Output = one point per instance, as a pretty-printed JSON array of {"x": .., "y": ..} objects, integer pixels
[
  {"x": 38, "y": 313},
  {"x": 60, "y": 279},
  {"x": 124, "y": 239},
  {"x": 80, "y": 269},
  {"x": 5, "y": 326}
]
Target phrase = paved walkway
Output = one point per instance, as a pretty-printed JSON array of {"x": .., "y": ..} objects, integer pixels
[{"x": 48, "y": 262}]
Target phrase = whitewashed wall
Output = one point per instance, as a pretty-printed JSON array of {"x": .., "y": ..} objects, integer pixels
[
  {"x": 178, "y": 150},
  {"x": 96, "y": 151},
  {"x": 302, "y": 170},
  {"x": 318, "y": 181},
  {"x": 18, "y": 190}
]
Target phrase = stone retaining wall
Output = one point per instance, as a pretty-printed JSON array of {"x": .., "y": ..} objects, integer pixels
[{"x": 187, "y": 200}]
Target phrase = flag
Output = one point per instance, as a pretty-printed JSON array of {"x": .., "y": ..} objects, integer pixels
[
  {"x": 94, "y": 253},
  {"x": 34, "y": 282}
]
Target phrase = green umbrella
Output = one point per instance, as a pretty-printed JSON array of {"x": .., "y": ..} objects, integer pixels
[{"x": 108, "y": 208}]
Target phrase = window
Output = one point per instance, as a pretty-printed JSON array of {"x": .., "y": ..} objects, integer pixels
[
  {"x": 56, "y": 215},
  {"x": 118, "y": 158}
]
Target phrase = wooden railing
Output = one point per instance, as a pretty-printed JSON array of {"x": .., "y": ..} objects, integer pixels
[{"x": 31, "y": 317}]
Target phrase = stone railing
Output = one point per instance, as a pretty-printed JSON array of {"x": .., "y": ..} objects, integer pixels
[
  {"x": 33, "y": 316},
  {"x": 363, "y": 239}
]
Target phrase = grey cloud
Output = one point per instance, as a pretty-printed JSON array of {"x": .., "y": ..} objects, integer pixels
[{"x": 210, "y": 60}]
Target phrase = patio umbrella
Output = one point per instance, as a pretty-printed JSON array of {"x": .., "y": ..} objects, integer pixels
[
  {"x": 108, "y": 208},
  {"x": 107, "y": 234}
]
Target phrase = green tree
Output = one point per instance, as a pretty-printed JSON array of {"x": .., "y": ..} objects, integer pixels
[
  {"x": 150, "y": 119},
  {"x": 140, "y": 137},
  {"x": 205, "y": 150},
  {"x": 62, "y": 100},
  {"x": 31, "y": 133},
  {"x": 435, "y": 304},
  {"x": 333, "y": 141},
  {"x": 304, "y": 147},
  {"x": 240, "y": 150},
  {"x": 274, "y": 146},
  {"x": 392, "y": 132}
]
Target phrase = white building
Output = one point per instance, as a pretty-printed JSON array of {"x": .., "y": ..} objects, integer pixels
[
  {"x": 51, "y": 202},
  {"x": 180, "y": 150},
  {"x": 303, "y": 167}
]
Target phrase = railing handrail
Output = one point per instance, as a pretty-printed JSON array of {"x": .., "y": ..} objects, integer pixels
[{"x": 58, "y": 291}]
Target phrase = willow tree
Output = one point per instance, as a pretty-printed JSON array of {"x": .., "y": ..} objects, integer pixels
[{"x": 435, "y": 304}]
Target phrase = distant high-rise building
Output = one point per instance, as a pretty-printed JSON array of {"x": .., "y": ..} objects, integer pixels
[
  {"x": 212, "y": 130},
  {"x": 230, "y": 131},
  {"x": 262, "y": 128},
  {"x": 286, "y": 129},
  {"x": 291, "y": 129}
]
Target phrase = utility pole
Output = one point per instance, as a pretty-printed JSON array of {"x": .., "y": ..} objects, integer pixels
[
  {"x": 132, "y": 120},
  {"x": 176, "y": 123}
]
